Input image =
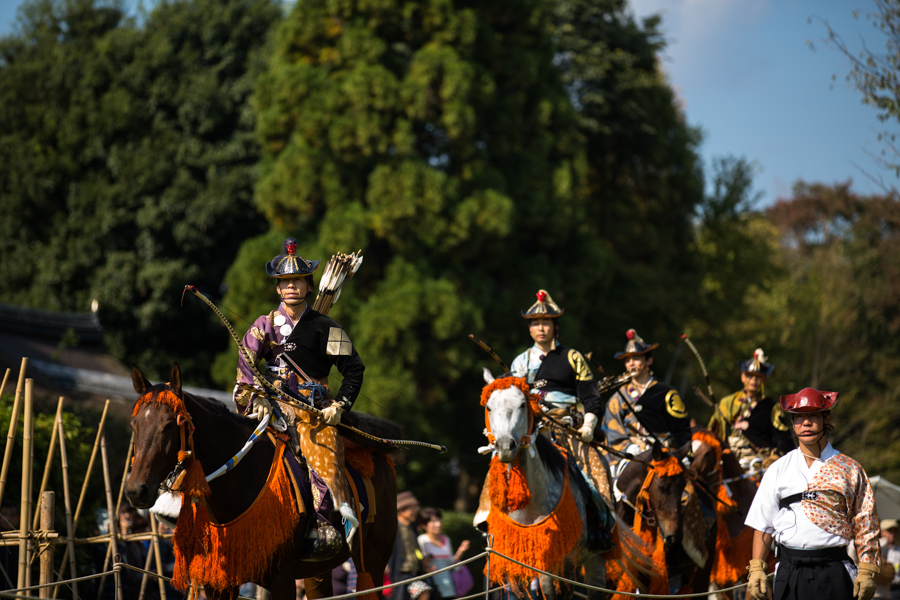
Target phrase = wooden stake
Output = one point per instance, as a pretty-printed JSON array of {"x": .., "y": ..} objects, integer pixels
[
  {"x": 26, "y": 485},
  {"x": 3, "y": 385},
  {"x": 13, "y": 424},
  {"x": 145, "y": 576},
  {"x": 125, "y": 474},
  {"x": 50, "y": 453},
  {"x": 70, "y": 528},
  {"x": 84, "y": 486},
  {"x": 110, "y": 508},
  {"x": 154, "y": 527},
  {"x": 48, "y": 506}
]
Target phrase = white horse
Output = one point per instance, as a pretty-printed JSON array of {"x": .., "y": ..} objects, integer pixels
[{"x": 513, "y": 427}]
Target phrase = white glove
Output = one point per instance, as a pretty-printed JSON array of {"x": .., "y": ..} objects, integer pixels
[
  {"x": 261, "y": 407},
  {"x": 332, "y": 414},
  {"x": 586, "y": 433}
]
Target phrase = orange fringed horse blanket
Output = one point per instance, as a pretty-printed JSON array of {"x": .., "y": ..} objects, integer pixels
[
  {"x": 732, "y": 554},
  {"x": 227, "y": 555},
  {"x": 544, "y": 545}
]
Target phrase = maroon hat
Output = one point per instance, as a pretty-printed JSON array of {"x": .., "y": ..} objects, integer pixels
[{"x": 808, "y": 400}]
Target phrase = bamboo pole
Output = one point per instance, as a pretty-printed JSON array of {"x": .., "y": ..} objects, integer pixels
[
  {"x": 110, "y": 508},
  {"x": 145, "y": 575},
  {"x": 26, "y": 484},
  {"x": 13, "y": 424},
  {"x": 87, "y": 479},
  {"x": 125, "y": 474},
  {"x": 154, "y": 527},
  {"x": 48, "y": 506},
  {"x": 29, "y": 551},
  {"x": 49, "y": 462},
  {"x": 3, "y": 385},
  {"x": 70, "y": 528}
]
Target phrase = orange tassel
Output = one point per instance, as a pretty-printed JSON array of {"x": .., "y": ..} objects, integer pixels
[
  {"x": 509, "y": 489},
  {"x": 544, "y": 545},
  {"x": 364, "y": 582},
  {"x": 242, "y": 550},
  {"x": 359, "y": 458}
]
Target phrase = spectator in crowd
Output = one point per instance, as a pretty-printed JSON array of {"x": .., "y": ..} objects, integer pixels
[
  {"x": 888, "y": 581},
  {"x": 438, "y": 552},
  {"x": 404, "y": 563}
]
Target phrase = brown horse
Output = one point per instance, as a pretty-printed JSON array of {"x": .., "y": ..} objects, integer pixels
[
  {"x": 217, "y": 436},
  {"x": 665, "y": 499},
  {"x": 721, "y": 472}
]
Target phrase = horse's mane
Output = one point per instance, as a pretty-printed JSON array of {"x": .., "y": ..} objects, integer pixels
[
  {"x": 210, "y": 405},
  {"x": 550, "y": 455}
]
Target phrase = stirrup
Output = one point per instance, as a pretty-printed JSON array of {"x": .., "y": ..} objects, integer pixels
[
  {"x": 351, "y": 523},
  {"x": 323, "y": 543}
]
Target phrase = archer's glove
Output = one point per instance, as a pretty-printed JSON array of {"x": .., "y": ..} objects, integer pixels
[
  {"x": 261, "y": 407},
  {"x": 758, "y": 580},
  {"x": 864, "y": 584},
  {"x": 586, "y": 433},
  {"x": 332, "y": 414}
]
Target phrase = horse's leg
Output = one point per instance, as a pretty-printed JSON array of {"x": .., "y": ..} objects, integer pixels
[
  {"x": 595, "y": 575},
  {"x": 282, "y": 585},
  {"x": 319, "y": 586},
  {"x": 228, "y": 594},
  {"x": 548, "y": 587}
]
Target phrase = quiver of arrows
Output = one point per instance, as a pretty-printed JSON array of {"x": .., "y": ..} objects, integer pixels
[{"x": 340, "y": 269}]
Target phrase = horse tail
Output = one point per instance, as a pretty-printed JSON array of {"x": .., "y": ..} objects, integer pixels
[{"x": 630, "y": 558}]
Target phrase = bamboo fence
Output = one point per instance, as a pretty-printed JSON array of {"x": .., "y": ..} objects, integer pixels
[{"x": 38, "y": 535}]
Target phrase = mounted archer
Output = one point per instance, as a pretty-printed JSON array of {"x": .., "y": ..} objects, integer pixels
[
  {"x": 561, "y": 378},
  {"x": 758, "y": 427},
  {"x": 299, "y": 346},
  {"x": 644, "y": 409}
]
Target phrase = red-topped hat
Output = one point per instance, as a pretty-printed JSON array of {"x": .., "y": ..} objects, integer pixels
[
  {"x": 290, "y": 264},
  {"x": 635, "y": 346},
  {"x": 808, "y": 400},
  {"x": 545, "y": 307}
]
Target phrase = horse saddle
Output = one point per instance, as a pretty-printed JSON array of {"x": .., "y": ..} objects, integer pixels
[{"x": 311, "y": 494}]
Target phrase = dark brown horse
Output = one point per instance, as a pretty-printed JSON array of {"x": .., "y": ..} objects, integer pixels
[
  {"x": 668, "y": 501},
  {"x": 218, "y": 435},
  {"x": 718, "y": 468}
]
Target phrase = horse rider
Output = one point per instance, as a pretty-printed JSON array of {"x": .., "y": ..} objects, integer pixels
[
  {"x": 759, "y": 429},
  {"x": 813, "y": 502},
  {"x": 560, "y": 375},
  {"x": 562, "y": 378},
  {"x": 644, "y": 408},
  {"x": 314, "y": 342}
]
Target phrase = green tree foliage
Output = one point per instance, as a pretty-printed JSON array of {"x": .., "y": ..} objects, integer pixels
[
  {"x": 643, "y": 176},
  {"x": 130, "y": 158},
  {"x": 443, "y": 140},
  {"x": 838, "y": 309}
]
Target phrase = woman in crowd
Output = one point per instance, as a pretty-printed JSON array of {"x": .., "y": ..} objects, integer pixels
[{"x": 438, "y": 551}]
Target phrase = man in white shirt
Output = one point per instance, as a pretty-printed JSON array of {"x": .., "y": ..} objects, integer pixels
[
  {"x": 812, "y": 502},
  {"x": 888, "y": 582}
]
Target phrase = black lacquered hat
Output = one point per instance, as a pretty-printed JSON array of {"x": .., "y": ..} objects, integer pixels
[
  {"x": 544, "y": 308},
  {"x": 291, "y": 264},
  {"x": 635, "y": 346},
  {"x": 757, "y": 364}
]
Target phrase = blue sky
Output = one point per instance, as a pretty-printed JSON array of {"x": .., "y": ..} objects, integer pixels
[{"x": 748, "y": 78}]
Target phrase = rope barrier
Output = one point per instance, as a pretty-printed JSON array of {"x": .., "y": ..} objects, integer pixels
[
  {"x": 118, "y": 566},
  {"x": 608, "y": 591}
]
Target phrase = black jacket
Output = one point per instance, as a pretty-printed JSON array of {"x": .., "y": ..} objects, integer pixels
[{"x": 316, "y": 344}]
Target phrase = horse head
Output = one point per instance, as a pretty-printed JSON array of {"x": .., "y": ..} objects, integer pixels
[
  {"x": 655, "y": 484},
  {"x": 158, "y": 422},
  {"x": 510, "y": 411}
]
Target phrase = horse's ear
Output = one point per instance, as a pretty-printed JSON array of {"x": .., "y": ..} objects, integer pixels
[
  {"x": 140, "y": 382},
  {"x": 175, "y": 379},
  {"x": 683, "y": 451},
  {"x": 657, "y": 451},
  {"x": 488, "y": 378}
]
